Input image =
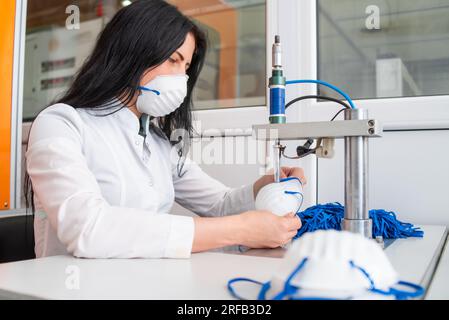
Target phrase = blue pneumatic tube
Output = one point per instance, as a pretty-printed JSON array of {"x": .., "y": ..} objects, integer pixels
[{"x": 321, "y": 82}]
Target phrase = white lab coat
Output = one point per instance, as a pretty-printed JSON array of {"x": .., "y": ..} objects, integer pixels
[{"x": 103, "y": 191}]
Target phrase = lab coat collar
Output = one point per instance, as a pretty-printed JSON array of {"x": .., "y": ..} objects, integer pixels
[
  {"x": 131, "y": 123},
  {"x": 127, "y": 120}
]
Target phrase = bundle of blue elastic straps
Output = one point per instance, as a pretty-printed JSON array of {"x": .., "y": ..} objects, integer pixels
[{"x": 328, "y": 216}]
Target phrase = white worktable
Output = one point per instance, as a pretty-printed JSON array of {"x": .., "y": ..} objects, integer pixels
[{"x": 203, "y": 276}]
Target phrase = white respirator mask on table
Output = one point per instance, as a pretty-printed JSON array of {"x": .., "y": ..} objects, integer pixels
[
  {"x": 162, "y": 95},
  {"x": 330, "y": 264},
  {"x": 281, "y": 198}
]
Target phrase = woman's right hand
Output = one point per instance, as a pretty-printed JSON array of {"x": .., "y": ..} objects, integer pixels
[{"x": 263, "y": 229}]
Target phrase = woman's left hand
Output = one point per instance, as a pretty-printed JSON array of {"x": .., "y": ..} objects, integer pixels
[{"x": 285, "y": 173}]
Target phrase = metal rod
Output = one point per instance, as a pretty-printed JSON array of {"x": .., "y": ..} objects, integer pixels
[
  {"x": 356, "y": 218},
  {"x": 277, "y": 161}
]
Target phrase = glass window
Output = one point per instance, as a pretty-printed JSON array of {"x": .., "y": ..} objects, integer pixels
[
  {"x": 233, "y": 76},
  {"x": 235, "y": 70},
  {"x": 384, "y": 48},
  {"x": 55, "y": 47}
]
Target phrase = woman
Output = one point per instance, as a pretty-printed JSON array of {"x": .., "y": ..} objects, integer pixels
[{"x": 102, "y": 175}]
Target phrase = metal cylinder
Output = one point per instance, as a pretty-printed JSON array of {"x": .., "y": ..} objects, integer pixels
[
  {"x": 277, "y": 161},
  {"x": 277, "y": 85},
  {"x": 277, "y": 53},
  {"x": 356, "y": 218}
]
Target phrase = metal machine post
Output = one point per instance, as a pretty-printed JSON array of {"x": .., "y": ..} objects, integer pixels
[
  {"x": 356, "y": 218},
  {"x": 356, "y": 129}
]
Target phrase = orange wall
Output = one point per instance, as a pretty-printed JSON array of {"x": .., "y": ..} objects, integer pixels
[
  {"x": 7, "y": 15},
  {"x": 222, "y": 18}
]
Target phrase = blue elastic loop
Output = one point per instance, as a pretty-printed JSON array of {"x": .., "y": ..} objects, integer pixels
[
  {"x": 327, "y": 85},
  {"x": 316, "y": 298},
  {"x": 288, "y": 288},
  {"x": 287, "y": 292},
  {"x": 419, "y": 291},
  {"x": 365, "y": 273},
  {"x": 231, "y": 289},
  {"x": 150, "y": 90},
  {"x": 401, "y": 294},
  {"x": 328, "y": 216},
  {"x": 263, "y": 292},
  {"x": 295, "y": 193}
]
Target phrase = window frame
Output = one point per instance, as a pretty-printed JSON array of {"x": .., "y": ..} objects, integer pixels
[
  {"x": 399, "y": 113},
  {"x": 298, "y": 30},
  {"x": 225, "y": 119},
  {"x": 17, "y": 124},
  {"x": 218, "y": 119},
  {"x": 239, "y": 121}
]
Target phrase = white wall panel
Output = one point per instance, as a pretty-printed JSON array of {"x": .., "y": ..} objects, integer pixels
[
  {"x": 409, "y": 174},
  {"x": 232, "y": 160}
]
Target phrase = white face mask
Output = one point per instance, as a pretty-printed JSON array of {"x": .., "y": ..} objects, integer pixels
[
  {"x": 330, "y": 264},
  {"x": 281, "y": 198},
  {"x": 162, "y": 95}
]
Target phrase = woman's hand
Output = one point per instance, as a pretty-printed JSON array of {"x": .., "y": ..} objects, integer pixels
[
  {"x": 263, "y": 229},
  {"x": 285, "y": 173},
  {"x": 254, "y": 229}
]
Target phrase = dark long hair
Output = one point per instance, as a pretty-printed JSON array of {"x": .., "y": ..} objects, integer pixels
[{"x": 139, "y": 37}]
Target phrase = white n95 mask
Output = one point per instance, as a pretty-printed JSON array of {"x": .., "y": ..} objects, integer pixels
[
  {"x": 280, "y": 198},
  {"x": 330, "y": 264},
  {"x": 162, "y": 95}
]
